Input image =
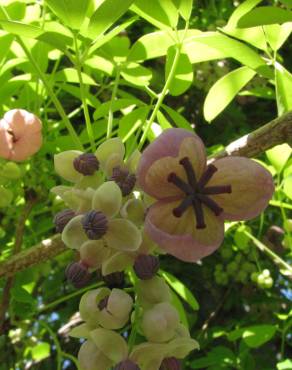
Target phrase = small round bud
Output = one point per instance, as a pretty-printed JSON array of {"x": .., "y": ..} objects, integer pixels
[
  {"x": 86, "y": 164},
  {"x": 170, "y": 363},
  {"x": 77, "y": 274},
  {"x": 115, "y": 280},
  {"x": 124, "y": 179},
  {"x": 146, "y": 266},
  {"x": 127, "y": 365},
  {"x": 95, "y": 224},
  {"x": 62, "y": 218}
]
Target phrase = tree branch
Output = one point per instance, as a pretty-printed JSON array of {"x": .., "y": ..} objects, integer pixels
[
  {"x": 276, "y": 132},
  {"x": 43, "y": 251},
  {"x": 273, "y": 133}
]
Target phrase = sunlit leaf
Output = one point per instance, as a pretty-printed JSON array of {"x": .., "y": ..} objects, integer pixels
[
  {"x": 224, "y": 90},
  {"x": 283, "y": 89},
  {"x": 279, "y": 156},
  {"x": 265, "y": 15}
]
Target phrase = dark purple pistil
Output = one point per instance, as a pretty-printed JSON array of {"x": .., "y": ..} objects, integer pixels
[{"x": 196, "y": 192}]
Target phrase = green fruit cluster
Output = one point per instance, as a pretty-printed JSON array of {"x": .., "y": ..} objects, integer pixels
[{"x": 263, "y": 279}]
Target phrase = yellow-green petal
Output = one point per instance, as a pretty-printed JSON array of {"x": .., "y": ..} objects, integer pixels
[
  {"x": 110, "y": 344},
  {"x": 108, "y": 199},
  {"x": 64, "y": 165},
  {"x": 123, "y": 235},
  {"x": 73, "y": 234},
  {"x": 108, "y": 148}
]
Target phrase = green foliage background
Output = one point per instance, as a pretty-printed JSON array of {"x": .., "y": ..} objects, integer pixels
[{"x": 91, "y": 69}]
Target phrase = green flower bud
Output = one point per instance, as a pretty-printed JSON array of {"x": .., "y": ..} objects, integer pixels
[
  {"x": 6, "y": 197},
  {"x": 159, "y": 323},
  {"x": 153, "y": 291},
  {"x": 11, "y": 171}
]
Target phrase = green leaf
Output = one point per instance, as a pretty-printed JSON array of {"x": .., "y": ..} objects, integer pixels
[
  {"x": 279, "y": 155},
  {"x": 265, "y": 15},
  {"x": 108, "y": 12},
  {"x": 179, "y": 287},
  {"x": 183, "y": 76},
  {"x": 102, "y": 39},
  {"x": 131, "y": 122},
  {"x": 177, "y": 118},
  {"x": 288, "y": 186},
  {"x": 256, "y": 336},
  {"x": 283, "y": 89},
  {"x": 137, "y": 75},
  {"x": 218, "y": 356},
  {"x": 118, "y": 104},
  {"x": 287, "y": 3},
  {"x": 21, "y": 29},
  {"x": 21, "y": 295},
  {"x": 155, "y": 44},
  {"x": 240, "y": 11},
  {"x": 72, "y": 13},
  {"x": 162, "y": 120},
  {"x": 214, "y": 45},
  {"x": 224, "y": 90},
  {"x": 284, "y": 365},
  {"x": 162, "y": 14},
  {"x": 71, "y": 75},
  {"x": 184, "y": 7},
  {"x": 40, "y": 351},
  {"x": 277, "y": 34},
  {"x": 101, "y": 64}
]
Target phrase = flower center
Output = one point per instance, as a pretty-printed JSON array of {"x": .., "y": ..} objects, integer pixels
[{"x": 196, "y": 192}]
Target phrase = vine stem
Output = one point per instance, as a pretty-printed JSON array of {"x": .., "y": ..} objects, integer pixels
[
  {"x": 83, "y": 95},
  {"x": 56, "y": 343},
  {"x": 164, "y": 91},
  {"x": 54, "y": 98},
  {"x": 262, "y": 247},
  {"x": 161, "y": 96},
  {"x": 110, "y": 112}
]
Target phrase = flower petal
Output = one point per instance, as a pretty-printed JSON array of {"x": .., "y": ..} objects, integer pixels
[
  {"x": 64, "y": 165},
  {"x": 110, "y": 147},
  {"x": 181, "y": 347},
  {"x": 80, "y": 331},
  {"x": 251, "y": 185},
  {"x": 6, "y": 143},
  {"x": 118, "y": 261},
  {"x": 93, "y": 253},
  {"x": 110, "y": 344},
  {"x": 171, "y": 143},
  {"x": 73, "y": 234},
  {"x": 91, "y": 358},
  {"x": 108, "y": 199},
  {"x": 179, "y": 236},
  {"x": 148, "y": 355},
  {"x": 123, "y": 235}
]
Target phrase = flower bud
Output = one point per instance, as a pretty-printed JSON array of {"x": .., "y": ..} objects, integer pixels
[
  {"x": 127, "y": 365},
  {"x": 95, "y": 224},
  {"x": 115, "y": 280},
  {"x": 146, "y": 266},
  {"x": 86, "y": 164},
  {"x": 124, "y": 179},
  {"x": 62, "y": 218},
  {"x": 77, "y": 274},
  {"x": 11, "y": 171},
  {"x": 170, "y": 363},
  {"x": 160, "y": 322},
  {"x": 6, "y": 197}
]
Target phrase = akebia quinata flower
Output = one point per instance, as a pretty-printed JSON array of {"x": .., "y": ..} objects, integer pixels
[
  {"x": 192, "y": 198},
  {"x": 20, "y": 135}
]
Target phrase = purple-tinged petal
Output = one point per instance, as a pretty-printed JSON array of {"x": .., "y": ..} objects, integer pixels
[
  {"x": 173, "y": 144},
  {"x": 179, "y": 236},
  {"x": 251, "y": 187}
]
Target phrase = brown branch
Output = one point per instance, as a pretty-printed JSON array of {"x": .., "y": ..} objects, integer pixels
[
  {"x": 273, "y": 133},
  {"x": 276, "y": 132},
  {"x": 41, "y": 252},
  {"x": 31, "y": 200}
]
